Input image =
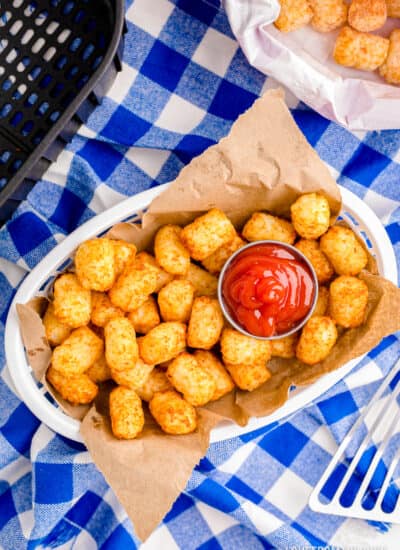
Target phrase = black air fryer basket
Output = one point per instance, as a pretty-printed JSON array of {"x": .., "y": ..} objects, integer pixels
[{"x": 58, "y": 58}]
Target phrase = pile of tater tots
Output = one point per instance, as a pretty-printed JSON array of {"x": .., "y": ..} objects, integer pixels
[
  {"x": 151, "y": 322},
  {"x": 355, "y": 45}
]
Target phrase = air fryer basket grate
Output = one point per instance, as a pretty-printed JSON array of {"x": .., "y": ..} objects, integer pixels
[{"x": 49, "y": 51}]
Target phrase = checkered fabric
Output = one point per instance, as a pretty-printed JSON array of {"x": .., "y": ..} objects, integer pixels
[{"x": 184, "y": 82}]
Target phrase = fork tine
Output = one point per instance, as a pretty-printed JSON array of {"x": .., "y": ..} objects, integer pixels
[
  {"x": 388, "y": 477},
  {"x": 387, "y": 402}
]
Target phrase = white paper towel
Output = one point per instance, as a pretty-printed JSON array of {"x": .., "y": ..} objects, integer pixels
[{"x": 302, "y": 61}]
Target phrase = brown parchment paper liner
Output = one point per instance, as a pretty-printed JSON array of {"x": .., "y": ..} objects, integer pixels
[{"x": 264, "y": 163}]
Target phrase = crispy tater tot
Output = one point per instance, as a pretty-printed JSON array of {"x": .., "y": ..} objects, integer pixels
[
  {"x": 204, "y": 283},
  {"x": 205, "y": 324},
  {"x": 173, "y": 414},
  {"x": 237, "y": 348},
  {"x": 162, "y": 276},
  {"x": 162, "y": 343},
  {"x": 121, "y": 346},
  {"x": 156, "y": 381},
  {"x": 123, "y": 254},
  {"x": 56, "y": 331},
  {"x": 175, "y": 300},
  {"x": 99, "y": 371},
  {"x": 360, "y": 50},
  {"x": 294, "y": 14},
  {"x": 134, "y": 377},
  {"x": 78, "y": 390},
  {"x": 207, "y": 233},
  {"x": 209, "y": 362},
  {"x": 393, "y": 8},
  {"x": 145, "y": 317},
  {"x": 94, "y": 264},
  {"x": 78, "y": 352},
  {"x": 322, "y": 302},
  {"x": 170, "y": 251},
  {"x": 312, "y": 251},
  {"x": 248, "y": 376},
  {"x": 195, "y": 383},
  {"x": 126, "y": 412},
  {"x": 367, "y": 15},
  {"x": 103, "y": 310},
  {"x": 284, "y": 347},
  {"x": 328, "y": 14},
  {"x": 215, "y": 262},
  {"x": 317, "y": 339},
  {"x": 348, "y": 299},
  {"x": 134, "y": 285},
  {"x": 344, "y": 251},
  {"x": 310, "y": 215},
  {"x": 390, "y": 70},
  {"x": 263, "y": 226},
  {"x": 72, "y": 303}
]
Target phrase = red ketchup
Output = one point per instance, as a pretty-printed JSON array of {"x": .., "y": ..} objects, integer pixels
[{"x": 268, "y": 289}]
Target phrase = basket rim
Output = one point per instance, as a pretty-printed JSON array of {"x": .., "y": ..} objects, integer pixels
[{"x": 56, "y": 419}]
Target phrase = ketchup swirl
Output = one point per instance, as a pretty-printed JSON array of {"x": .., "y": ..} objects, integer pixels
[{"x": 268, "y": 289}]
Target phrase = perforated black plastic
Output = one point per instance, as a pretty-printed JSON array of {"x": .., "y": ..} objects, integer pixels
[{"x": 57, "y": 60}]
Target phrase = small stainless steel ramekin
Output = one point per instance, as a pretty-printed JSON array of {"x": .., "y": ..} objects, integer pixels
[{"x": 225, "y": 310}]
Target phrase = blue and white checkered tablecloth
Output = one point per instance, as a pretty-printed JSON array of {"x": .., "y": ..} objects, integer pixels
[{"x": 184, "y": 82}]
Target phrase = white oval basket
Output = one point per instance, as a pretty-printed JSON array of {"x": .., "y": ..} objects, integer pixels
[{"x": 356, "y": 213}]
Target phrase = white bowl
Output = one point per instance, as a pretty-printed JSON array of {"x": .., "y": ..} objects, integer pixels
[{"x": 356, "y": 213}]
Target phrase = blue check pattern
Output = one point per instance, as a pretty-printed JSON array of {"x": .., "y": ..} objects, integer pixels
[{"x": 184, "y": 82}]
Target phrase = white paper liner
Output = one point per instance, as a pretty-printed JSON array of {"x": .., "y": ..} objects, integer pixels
[{"x": 302, "y": 61}]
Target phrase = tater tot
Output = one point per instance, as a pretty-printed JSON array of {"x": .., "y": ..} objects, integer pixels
[
  {"x": 317, "y": 339},
  {"x": 344, "y": 251},
  {"x": 134, "y": 285},
  {"x": 175, "y": 301},
  {"x": 123, "y": 254},
  {"x": 156, "y": 381},
  {"x": 173, "y": 414},
  {"x": 94, "y": 264},
  {"x": 216, "y": 261},
  {"x": 99, "y": 371},
  {"x": 393, "y": 8},
  {"x": 78, "y": 390},
  {"x": 310, "y": 215},
  {"x": 121, "y": 346},
  {"x": 56, "y": 331},
  {"x": 204, "y": 283},
  {"x": 162, "y": 276},
  {"x": 348, "y": 299},
  {"x": 145, "y": 317},
  {"x": 195, "y": 383},
  {"x": 205, "y": 324},
  {"x": 126, "y": 412},
  {"x": 322, "y": 302},
  {"x": 103, "y": 310},
  {"x": 237, "y": 348},
  {"x": 360, "y": 50},
  {"x": 263, "y": 226},
  {"x": 207, "y": 233},
  {"x": 170, "y": 251},
  {"x": 134, "y": 377},
  {"x": 284, "y": 347},
  {"x": 72, "y": 303},
  {"x": 328, "y": 14},
  {"x": 312, "y": 251},
  {"x": 367, "y": 15},
  {"x": 249, "y": 376},
  {"x": 294, "y": 14},
  {"x": 78, "y": 352},
  {"x": 390, "y": 70},
  {"x": 209, "y": 362},
  {"x": 162, "y": 343}
]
